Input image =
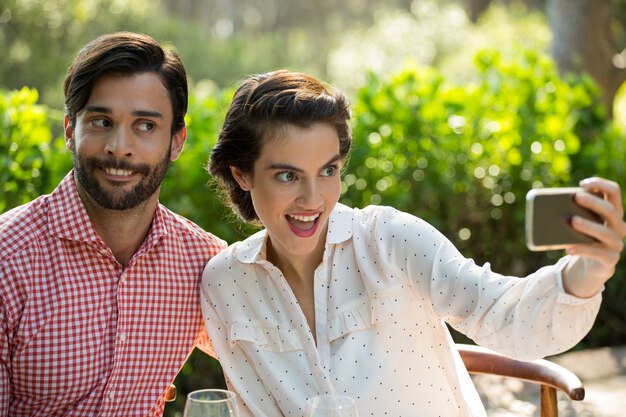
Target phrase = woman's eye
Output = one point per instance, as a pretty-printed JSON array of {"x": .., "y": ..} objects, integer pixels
[
  {"x": 329, "y": 171},
  {"x": 146, "y": 126},
  {"x": 286, "y": 176}
]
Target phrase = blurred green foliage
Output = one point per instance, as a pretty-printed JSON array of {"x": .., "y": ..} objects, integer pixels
[
  {"x": 460, "y": 155},
  {"x": 223, "y": 41},
  {"x": 27, "y": 168},
  {"x": 441, "y": 35},
  {"x": 39, "y": 39},
  {"x": 463, "y": 156}
]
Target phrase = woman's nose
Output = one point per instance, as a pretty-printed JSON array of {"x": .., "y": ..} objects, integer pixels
[{"x": 310, "y": 194}]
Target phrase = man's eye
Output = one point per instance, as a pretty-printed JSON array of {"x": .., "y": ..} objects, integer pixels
[
  {"x": 329, "y": 171},
  {"x": 102, "y": 123},
  {"x": 286, "y": 176},
  {"x": 146, "y": 126}
]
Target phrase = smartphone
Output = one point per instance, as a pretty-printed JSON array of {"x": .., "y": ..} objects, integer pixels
[{"x": 548, "y": 215}]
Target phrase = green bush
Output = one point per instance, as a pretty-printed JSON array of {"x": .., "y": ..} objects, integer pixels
[
  {"x": 463, "y": 157},
  {"x": 28, "y": 151}
]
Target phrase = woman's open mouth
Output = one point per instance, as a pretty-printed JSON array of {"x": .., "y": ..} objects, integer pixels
[{"x": 303, "y": 225}]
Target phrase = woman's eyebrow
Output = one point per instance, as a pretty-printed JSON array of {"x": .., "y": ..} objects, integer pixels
[
  {"x": 285, "y": 167},
  {"x": 288, "y": 167}
]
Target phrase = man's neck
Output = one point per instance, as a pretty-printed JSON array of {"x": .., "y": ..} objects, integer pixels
[{"x": 123, "y": 231}]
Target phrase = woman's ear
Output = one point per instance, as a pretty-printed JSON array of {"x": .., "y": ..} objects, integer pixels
[{"x": 242, "y": 178}]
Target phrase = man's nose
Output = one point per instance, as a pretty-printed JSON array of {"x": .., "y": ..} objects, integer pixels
[{"x": 119, "y": 143}]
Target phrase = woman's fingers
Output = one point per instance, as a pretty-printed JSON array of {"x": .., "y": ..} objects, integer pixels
[
  {"x": 606, "y": 252},
  {"x": 611, "y": 208},
  {"x": 605, "y": 234}
]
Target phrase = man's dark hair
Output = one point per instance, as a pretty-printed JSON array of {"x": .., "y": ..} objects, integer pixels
[{"x": 125, "y": 53}]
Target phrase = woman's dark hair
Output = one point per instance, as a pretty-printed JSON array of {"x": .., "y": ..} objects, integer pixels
[
  {"x": 125, "y": 53},
  {"x": 263, "y": 104}
]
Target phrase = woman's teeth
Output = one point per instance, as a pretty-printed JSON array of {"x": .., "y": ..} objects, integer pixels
[{"x": 304, "y": 218}]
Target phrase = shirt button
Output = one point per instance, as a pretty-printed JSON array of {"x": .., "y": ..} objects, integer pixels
[
  {"x": 565, "y": 300},
  {"x": 122, "y": 336},
  {"x": 111, "y": 395}
]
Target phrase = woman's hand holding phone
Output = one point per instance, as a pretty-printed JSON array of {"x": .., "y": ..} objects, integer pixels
[{"x": 594, "y": 263}]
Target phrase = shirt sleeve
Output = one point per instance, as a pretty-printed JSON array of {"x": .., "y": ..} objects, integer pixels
[
  {"x": 527, "y": 318},
  {"x": 5, "y": 388},
  {"x": 204, "y": 343}
]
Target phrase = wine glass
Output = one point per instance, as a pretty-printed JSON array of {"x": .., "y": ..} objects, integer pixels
[
  {"x": 211, "y": 403},
  {"x": 331, "y": 405}
]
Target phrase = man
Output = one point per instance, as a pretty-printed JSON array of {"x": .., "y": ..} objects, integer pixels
[{"x": 99, "y": 297}]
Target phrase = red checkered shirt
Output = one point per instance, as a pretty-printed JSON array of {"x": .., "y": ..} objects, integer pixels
[{"x": 79, "y": 334}]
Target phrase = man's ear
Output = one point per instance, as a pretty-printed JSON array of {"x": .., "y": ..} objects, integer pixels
[
  {"x": 68, "y": 130},
  {"x": 178, "y": 143},
  {"x": 242, "y": 178}
]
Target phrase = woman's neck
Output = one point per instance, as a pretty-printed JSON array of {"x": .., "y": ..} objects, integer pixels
[
  {"x": 298, "y": 272},
  {"x": 296, "y": 267}
]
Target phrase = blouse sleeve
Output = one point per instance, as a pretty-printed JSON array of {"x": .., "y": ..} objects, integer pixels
[
  {"x": 243, "y": 379},
  {"x": 527, "y": 318}
]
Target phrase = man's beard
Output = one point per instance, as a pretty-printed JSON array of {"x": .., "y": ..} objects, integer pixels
[{"x": 120, "y": 200}]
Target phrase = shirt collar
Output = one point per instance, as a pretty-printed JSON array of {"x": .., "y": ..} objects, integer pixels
[
  {"x": 253, "y": 249},
  {"x": 68, "y": 218}
]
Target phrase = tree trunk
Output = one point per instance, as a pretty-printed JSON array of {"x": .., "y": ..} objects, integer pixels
[
  {"x": 582, "y": 41},
  {"x": 475, "y": 8}
]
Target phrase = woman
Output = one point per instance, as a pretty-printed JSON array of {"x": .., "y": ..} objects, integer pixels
[{"x": 331, "y": 299}]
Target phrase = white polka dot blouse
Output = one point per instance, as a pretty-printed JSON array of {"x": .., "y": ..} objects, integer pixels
[{"x": 387, "y": 285}]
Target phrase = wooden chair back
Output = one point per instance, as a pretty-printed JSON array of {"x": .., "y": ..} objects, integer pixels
[{"x": 548, "y": 375}]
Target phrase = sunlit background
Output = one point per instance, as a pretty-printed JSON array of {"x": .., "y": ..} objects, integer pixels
[
  {"x": 223, "y": 40},
  {"x": 461, "y": 106}
]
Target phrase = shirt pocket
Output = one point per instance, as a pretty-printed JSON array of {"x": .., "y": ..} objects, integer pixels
[
  {"x": 268, "y": 338},
  {"x": 389, "y": 304}
]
